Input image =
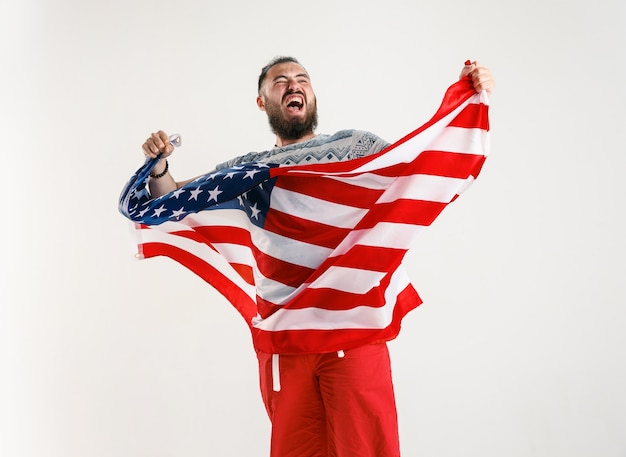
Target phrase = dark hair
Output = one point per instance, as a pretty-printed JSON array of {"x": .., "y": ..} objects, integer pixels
[{"x": 274, "y": 61}]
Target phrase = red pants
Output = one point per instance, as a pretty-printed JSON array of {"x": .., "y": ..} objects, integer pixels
[{"x": 331, "y": 405}]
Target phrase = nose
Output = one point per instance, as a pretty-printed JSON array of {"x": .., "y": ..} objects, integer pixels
[{"x": 294, "y": 86}]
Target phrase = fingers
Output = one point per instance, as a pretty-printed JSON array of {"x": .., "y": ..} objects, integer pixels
[
  {"x": 469, "y": 66},
  {"x": 157, "y": 144},
  {"x": 481, "y": 76}
]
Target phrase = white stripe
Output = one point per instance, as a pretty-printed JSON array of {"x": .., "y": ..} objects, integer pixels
[
  {"x": 236, "y": 253},
  {"x": 215, "y": 218},
  {"x": 289, "y": 250},
  {"x": 352, "y": 280},
  {"x": 367, "y": 180},
  {"x": 423, "y": 187},
  {"x": 315, "y": 209},
  {"x": 360, "y": 317},
  {"x": 274, "y": 291},
  {"x": 272, "y": 244},
  {"x": 384, "y": 234},
  {"x": 461, "y": 141}
]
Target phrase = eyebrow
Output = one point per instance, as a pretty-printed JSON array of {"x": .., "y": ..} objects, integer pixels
[{"x": 299, "y": 75}]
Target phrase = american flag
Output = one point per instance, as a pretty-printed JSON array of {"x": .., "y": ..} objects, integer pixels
[{"x": 311, "y": 255}]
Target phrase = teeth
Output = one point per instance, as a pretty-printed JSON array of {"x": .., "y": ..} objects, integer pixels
[{"x": 297, "y": 100}]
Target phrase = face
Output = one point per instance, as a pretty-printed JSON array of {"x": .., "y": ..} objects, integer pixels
[{"x": 289, "y": 101}]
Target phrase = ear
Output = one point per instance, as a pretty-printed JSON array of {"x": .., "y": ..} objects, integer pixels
[{"x": 260, "y": 103}]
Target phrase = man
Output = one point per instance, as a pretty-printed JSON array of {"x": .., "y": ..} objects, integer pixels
[{"x": 324, "y": 403}]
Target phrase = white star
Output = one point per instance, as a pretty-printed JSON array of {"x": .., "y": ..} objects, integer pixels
[
  {"x": 141, "y": 213},
  {"x": 178, "y": 213},
  {"x": 195, "y": 193},
  {"x": 240, "y": 198},
  {"x": 250, "y": 174},
  {"x": 141, "y": 193},
  {"x": 230, "y": 175},
  {"x": 255, "y": 212},
  {"x": 214, "y": 193},
  {"x": 158, "y": 211},
  {"x": 177, "y": 193},
  {"x": 213, "y": 175}
]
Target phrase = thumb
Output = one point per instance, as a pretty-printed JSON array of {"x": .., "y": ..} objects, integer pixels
[{"x": 467, "y": 69}]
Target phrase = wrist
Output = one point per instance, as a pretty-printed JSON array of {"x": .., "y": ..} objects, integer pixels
[{"x": 160, "y": 169}]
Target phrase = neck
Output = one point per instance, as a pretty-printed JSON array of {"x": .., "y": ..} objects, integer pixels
[{"x": 280, "y": 142}]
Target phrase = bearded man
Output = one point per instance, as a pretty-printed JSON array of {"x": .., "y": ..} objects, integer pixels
[{"x": 321, "y": 403}]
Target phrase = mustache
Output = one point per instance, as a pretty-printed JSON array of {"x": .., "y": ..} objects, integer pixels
[{"x": 293, "y": 92}]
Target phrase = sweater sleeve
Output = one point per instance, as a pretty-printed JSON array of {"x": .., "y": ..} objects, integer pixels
[{"x": 365, "y": 144}]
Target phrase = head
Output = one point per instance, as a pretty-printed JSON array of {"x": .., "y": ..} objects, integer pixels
[{"x": 286, "y": 95}]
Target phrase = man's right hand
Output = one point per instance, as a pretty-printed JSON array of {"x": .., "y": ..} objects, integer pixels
[{"x": 158, "y": 143}]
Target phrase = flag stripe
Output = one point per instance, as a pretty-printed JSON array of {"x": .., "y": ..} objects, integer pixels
[
  {"x": 414, "y": 212},
  {"x": 473, "y": 116},
  {"x": 324, "y": 319},
  {"x": 307, "y": 340},
  {"x": 383, "y": 234},
  {"x": 334, "y": 190},
  {"x": 304, "y": 230},
  {"x": 306, "y": 207}
]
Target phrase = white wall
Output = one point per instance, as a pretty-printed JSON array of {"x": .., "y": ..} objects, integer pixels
[{"x": 519, "y": 347}]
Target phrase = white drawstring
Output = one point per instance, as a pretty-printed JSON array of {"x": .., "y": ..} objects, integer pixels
[
  {"x": 276, "y": 370},
  {"x": 275, "y": 373}
]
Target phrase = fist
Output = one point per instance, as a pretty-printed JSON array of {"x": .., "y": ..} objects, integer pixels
[
  {"x": 480, "y": 76},
  {"x": 158, "y": 145}
]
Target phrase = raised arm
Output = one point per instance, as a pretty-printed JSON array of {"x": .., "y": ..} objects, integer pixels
[{"x": 161, "y": 181}]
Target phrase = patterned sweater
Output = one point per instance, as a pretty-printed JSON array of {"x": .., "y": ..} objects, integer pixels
[{"x": 343, "y": 145}]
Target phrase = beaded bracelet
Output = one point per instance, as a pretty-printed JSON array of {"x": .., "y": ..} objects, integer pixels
[{"x": 160, "y": 175}]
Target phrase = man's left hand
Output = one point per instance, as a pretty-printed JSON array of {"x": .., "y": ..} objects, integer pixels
[{"x": 481, "y": 76}]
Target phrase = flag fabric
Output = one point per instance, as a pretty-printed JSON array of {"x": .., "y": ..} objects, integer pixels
[{"x": 311, "y": 255}]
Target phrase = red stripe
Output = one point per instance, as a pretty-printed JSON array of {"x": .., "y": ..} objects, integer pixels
[
  {"x": 304, "y": 230},
  {"x": 278, "y": 270},
  {"x": 417, "y": 212},
  {"x": 473, "y": 116},
  {"x": 318, "y": 341},
  {"x": 437, "y": 163},
  {"x": 330, "y": 190},
  {"x": 327, "y": 299},
  {"x": 221, "y": 234},
  {"x": 332, "y": 299},
  {"x": 374, "y": 258},
  {"x": 285, "y": 272},
  {"x": 245, "y": 271}
]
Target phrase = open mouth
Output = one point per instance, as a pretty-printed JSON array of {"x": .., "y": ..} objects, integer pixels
[{"x": 294, "y": 102}]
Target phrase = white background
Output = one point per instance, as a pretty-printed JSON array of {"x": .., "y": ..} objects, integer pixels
[{"x": 519, "y": 349}]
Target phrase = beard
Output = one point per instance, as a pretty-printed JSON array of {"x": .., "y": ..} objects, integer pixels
[{"x": 291, "y": 129}]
